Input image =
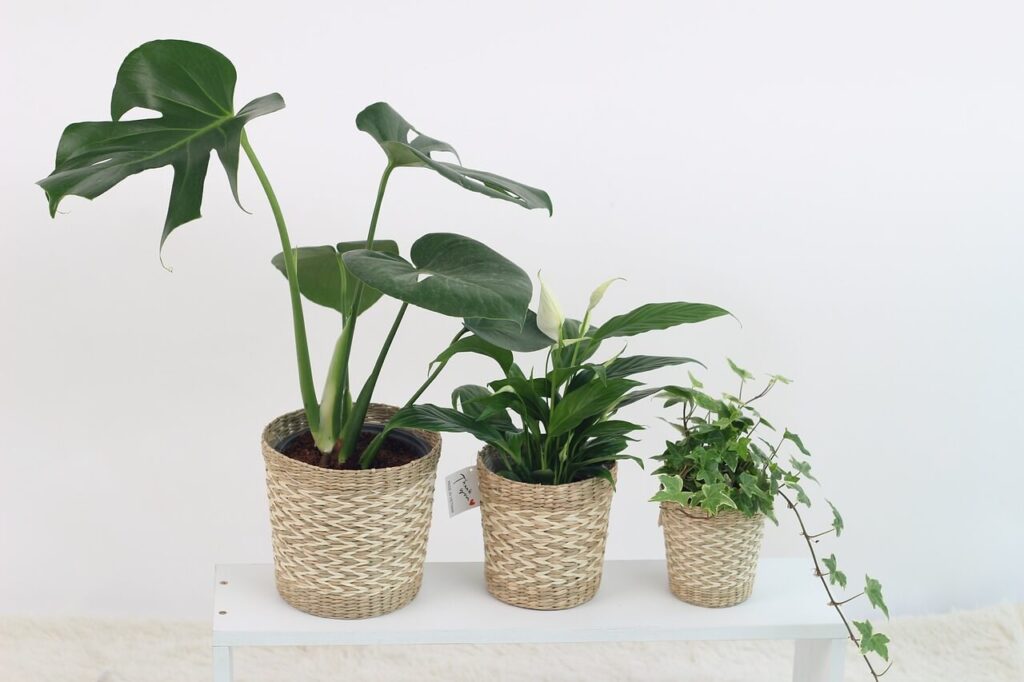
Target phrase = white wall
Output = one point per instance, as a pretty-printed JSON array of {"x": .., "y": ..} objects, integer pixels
[{"x": 846, "y": 178}]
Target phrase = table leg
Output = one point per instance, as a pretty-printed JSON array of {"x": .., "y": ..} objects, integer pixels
[
  {"x": 819, "y": 660},
  {"x": 222, "y": 664}
]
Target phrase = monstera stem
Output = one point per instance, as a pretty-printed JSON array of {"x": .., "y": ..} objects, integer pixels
[
  {"x": 371, "y": 450},
  {"x": 336, "y": 391},
  {"x": 350, "y": 432},
  {"x": 309, "y": 402}
]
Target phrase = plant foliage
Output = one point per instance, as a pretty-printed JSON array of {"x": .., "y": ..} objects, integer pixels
[
  {"x": 559, "y": 427},
  {"x": 729, "y": 457}
]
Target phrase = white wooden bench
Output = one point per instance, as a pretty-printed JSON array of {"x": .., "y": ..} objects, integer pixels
[{"x": 453, "y": 607}]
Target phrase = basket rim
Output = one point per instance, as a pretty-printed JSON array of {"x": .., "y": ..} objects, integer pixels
[
  {"x": 481, "y": 464},
  {"x": 698, "y": 514},
  {"x": 430, "y": 438}
]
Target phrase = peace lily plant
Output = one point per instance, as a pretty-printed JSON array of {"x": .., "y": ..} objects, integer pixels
[
  {"x": 192, "y": 87},
  {"x": 559, "y": 427},
  {"x": 729, "y": 457}
]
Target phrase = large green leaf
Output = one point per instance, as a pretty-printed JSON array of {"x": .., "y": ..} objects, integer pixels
[
  {"x": 434, "y": 418},
  {"x": 391, "y": 132},
  {"x": 637, "y": 364},
  {"x": 587, "y": 401},
  {"x": 193, "y": 87},
  {"x": 474, "y": 344},
  {"x": 449, "y": 274},
  {"x": 655, "y": 316},
  {"x": 323, "y": 278},
  {"x": 510, "y": 335}
]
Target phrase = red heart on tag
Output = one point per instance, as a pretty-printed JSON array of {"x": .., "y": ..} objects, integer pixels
[{"x": 472, "y": 502}]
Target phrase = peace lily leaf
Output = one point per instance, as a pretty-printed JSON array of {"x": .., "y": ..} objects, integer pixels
[
  {"x": 474, "y": 344},
  {"x": 612, "y": 427},
  {"x": 391, "y": 132},
  {"x": 871, "y": 641},
  {"x": 449, "y": 274},
  {"x": 837, "y": 519},
  {"x": 192, "y": 86},
  {"x": 740, "y": 372},
  {"x": 587, "y": 401},
  {"x": 835, "y": 576},
  {"x": 638, "y": 395},
  {"x": 323, "y": 278},
  {"x": 434, "y": 418},
  {"x": 788, "y": 435},
  {"x": 471, "y": 400},
  {"x": 656, "y": 316},
  {"x": 873, "y": 590},
  {"x": 550, "y": 317},
  {"x": 508, "y": 335},
  {"x": 636, "y": 364}
]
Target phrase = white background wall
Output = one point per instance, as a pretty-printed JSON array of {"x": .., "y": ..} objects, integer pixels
[{"x": 847, "y": 178}]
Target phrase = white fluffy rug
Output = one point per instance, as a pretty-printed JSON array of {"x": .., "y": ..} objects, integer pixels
[{"x": 982, "y": 646}]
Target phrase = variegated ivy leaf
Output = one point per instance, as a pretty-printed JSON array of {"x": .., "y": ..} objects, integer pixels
[
  {"x": 715, "y": 497},
  {"x": 694, "y": 381},
  {"x": 835, "y": 576},
  {"x": 803, "y": 468},
  {"x": 801, "y": 496},
  {"x": 873, "y": 590},
  {"x": 740, "y": 372},
  {"x": 779, "y": 378},
  {"x": 672, "y": 491},
  {"x": 871, "y": 641},
  {"x": 837, "y": 519},
  {"x": 795, "y": 439}
]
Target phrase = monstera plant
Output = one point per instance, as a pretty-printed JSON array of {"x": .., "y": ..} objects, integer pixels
[{"x": 191, "y": 87}]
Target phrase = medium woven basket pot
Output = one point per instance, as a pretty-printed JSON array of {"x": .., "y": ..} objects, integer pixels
[
  {"x": 543, "y": 544},
  {"x": 712, "y": 560},
  {"x": 348, "y": 543}
]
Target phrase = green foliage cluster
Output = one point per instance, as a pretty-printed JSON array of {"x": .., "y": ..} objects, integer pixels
[
  {"x": 722, "y": 461},
  {"x": 192, "y": 87},
  {"x": 559, "y": 427}
]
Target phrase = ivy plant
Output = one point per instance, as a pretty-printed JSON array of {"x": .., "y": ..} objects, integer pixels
[
  {"x": 191, "y": 87},
  {"x": 729, "y": 457},
  {"x": 559, "y": 427}
]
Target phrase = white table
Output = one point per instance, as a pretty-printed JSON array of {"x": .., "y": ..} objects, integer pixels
[{"x": 453, "y": 607}]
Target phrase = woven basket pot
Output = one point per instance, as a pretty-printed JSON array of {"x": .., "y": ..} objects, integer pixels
[
  {"x": 348, "y": 543},
  {"x": 543, "y": 544},
  {"x": 711, "y": 560}
]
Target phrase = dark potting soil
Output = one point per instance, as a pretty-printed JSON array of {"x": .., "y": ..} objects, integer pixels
[{"x": 397, "y": 449}]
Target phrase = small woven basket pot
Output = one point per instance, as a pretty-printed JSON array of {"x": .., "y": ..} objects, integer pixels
[
  {"x": 348, "y": 543},
  {"x": 711, "y": 560},
  {"x": 543, "y": 544}
]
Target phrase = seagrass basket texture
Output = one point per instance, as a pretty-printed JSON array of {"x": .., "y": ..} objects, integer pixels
[
  {"x": 348, "y": 543},
  {"x": 543, "y": 544},
  {"x": 712, "y": 560}
]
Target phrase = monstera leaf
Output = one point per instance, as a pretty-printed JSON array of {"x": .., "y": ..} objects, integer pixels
[
  {"x": 192, "y": 86},
  {"x": 510, "y": 335},
  {"x": 323, "y": 278},
  {"x": 391, "y": 132},
  {"x": 449, "y": 274}
]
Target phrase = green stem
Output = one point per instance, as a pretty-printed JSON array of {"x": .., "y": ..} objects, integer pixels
[
  {"x": 371, "y": 450},
  {"x": 336, "y": 410},
  {"x": 309, "y": 402},
  {"x": 356, "y": 419}
]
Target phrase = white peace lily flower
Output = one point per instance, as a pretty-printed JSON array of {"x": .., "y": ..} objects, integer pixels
[
  {"x": 598, "y": 294},
  {"x": 595, "y": 298},
  {"x": 549, "y": 314}
]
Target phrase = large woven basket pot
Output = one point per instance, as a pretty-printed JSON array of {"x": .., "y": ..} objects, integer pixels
[
  {"x": 712, "y": 560},
  {"x": 543, "y": 544},
  {"x": 348, "y": 543}
]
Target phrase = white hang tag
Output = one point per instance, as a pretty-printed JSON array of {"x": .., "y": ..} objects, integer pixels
[{"x": 463, "y": 488}]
